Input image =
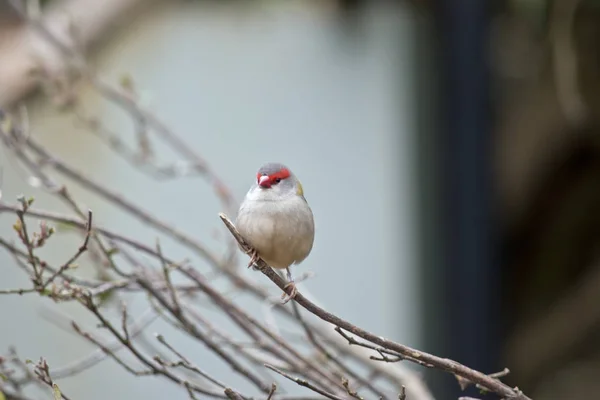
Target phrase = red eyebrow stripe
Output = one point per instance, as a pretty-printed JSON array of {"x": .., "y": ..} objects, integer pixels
[{"x": 281, "y": 174}]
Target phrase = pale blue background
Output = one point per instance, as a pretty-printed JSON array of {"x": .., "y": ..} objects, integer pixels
[{"x": 244, "y": 86}]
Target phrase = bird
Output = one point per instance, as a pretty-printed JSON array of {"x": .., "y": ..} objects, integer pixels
[{"x": 276, "y": 220}]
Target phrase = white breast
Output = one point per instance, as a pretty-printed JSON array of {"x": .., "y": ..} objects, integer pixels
[{"x": 281, "y": 231}]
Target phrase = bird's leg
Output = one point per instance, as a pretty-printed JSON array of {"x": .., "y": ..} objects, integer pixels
[
  {"x": 292, "y": 284},
  {"x": 254, "y": 257}
]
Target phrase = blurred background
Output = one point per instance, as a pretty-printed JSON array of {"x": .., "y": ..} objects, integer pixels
[{"x": 449, "y": 150}]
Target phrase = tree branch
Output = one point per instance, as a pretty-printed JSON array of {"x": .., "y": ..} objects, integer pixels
[{"x": 486, "y": 382}]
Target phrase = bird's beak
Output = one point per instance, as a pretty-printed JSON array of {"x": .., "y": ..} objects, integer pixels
[{"x": 264, "y": 182}]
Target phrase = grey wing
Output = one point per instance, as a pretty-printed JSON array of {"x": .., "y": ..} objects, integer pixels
[{"x": 306, "y": 234}]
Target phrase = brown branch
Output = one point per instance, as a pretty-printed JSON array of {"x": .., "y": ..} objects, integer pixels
[
  {"x": 138, "y": 158},
  {"x": 18, "y": 291},
  {"x": 383, "y": 352},
  {"x": 153, "y": 369},
  {"x": 329, "y": 356},
  {"x": 196, "y": 333},
  {"x": 233, "y": 311},
  {"x": 185, "y": 363},
  {"x": 42, "y": 372},
  {"x": 272, "y": 392},
  {"x": 402, "y": 395},
  {"x": 82, "y": 249},
  {"x": 490, "y": 384},
  {"x": 315, "y": 371},
  {"x": 203, "y": 286},
  {"x": 123, "y": 203},
  {"x": 232, "y": 394},
  {"x": 21, "y": 228},
  {"x": 118, "y": 97},
  {"x": 144, "y": 277},
  {"x": 304, "y": 383},
  {"x": 227, "y": 340},
  {"x": 111, "y": 354},
  {"x": 103, "y": 351},
  {"x": 464, "y": 383},
  {"x": 239, "y": 281},
  {"x": 167, "y": 275},
  {"x": 21, "y": 51}
]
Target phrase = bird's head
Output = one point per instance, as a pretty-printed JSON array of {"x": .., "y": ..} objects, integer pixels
[{"x": 275, "y": 181}]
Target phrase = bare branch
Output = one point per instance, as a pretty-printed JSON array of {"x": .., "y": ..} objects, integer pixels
[
  {"x": 185, "y": 363},
  {"x": 304, "y": 383},
  {"x": 82, "y": 249},
  {"x": 410, "y": 354}
]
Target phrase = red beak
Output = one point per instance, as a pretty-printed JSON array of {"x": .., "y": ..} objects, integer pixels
[{"x": 264, "y": 182}]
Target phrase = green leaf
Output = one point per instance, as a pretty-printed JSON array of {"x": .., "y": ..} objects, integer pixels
[
  {"x": 56, "y": 392},
  {"x": 104, "y": 297},
  {"x": 112, "y": 252},
  {"x": 62, "y": 227},
  {"x": 6, "y": 124}
]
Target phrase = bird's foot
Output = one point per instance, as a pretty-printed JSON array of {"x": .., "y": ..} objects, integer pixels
[
  {"x": 285, "y": 297},
  {"x": 253, "y": 259}
]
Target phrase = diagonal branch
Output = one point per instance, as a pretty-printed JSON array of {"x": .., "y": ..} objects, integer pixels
[
  {"x": 305, "y": 383},
  {"x": 488, "y": 383}
]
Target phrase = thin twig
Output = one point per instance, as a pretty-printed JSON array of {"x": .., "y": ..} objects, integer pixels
[
  {"x": 167, "y": 275},
  {"x": 185, "y": 363},
  {"x": 305, "y": 383},
  {"x": 232, "y": 395},
  {"x": 402, "y": 395},
  {"x": 329, "y": 356},
  {"x": 102, "y": 353},
  {"x": 82, "y": 249},
  {"x": 272, "y": 392}
]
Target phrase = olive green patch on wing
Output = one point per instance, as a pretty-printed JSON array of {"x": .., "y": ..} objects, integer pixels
[{"x": 299, "y": 189}]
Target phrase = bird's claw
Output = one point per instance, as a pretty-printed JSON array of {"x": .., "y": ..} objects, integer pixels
[
  {"x": 253, "y": 259},
  {"x": 291, "y": 295}
]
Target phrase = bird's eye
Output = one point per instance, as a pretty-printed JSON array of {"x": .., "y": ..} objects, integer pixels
[{"x": 277, "y": 180}]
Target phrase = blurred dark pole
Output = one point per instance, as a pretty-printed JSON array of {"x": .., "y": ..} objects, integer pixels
[{"x": 469, "y": 291}]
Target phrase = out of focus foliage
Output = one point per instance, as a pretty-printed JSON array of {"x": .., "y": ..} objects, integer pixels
[{"x": 545, "y": 61}]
